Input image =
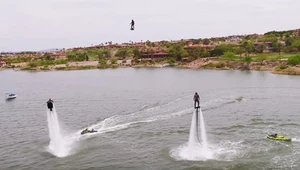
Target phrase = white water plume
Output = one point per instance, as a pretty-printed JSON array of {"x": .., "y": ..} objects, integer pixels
[
  {"x": 203, "y": 131},
  {"x": 195, "y": 149},
  {"x": 58, "y": 145}
]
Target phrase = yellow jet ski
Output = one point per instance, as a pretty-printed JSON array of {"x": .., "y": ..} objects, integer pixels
[{"x": 277, "y": 137}]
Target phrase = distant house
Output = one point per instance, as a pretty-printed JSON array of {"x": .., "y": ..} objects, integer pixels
[
  {"x": 268, "y": 46},
  {"x": 194, "y": 46},
  {"x": 155, "y": 55}
]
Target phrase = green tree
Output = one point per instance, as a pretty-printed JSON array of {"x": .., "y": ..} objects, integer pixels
[
  {"x": 196, "y": 53},
  {"x": 82, "y": 56},
  {"x": 269, "y": 38},
  {"x": 289, "y": 41},
  {"x": 137, "y": 54},
  {"x": 277, "y": 47},
  {"x": 239, "y": 51},
  {"x": 113, "y": 60},
  {"x": 261, "y": 48},
  {"x": 229, "y": 56},
  {"x": 221, "y": 49},
  {"x": 177, "y": 52},
  {"x": 196, "y": 41},
  {"x": 296, "y": 44},
  {"x": 171, "y": 61},
  {"x": 216, "y": 52},
  {"x": 122, "y": 53},
  {"x": 249, "y": 47},
  {"x": 247, "y": 60},
  {"x": 71, "y": 56},
  {"x": 102, "y": 62},
  {"x": 206, "y": 41},
  {"x": 47, "y": 56},
  {"x": 262, "y": 58}
]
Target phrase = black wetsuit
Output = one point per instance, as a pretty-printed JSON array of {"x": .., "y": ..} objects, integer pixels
[
  {"x": 196, "y": 100},
  {"x": 50, "y": 105},
  {"x": 132, "y": 25}
]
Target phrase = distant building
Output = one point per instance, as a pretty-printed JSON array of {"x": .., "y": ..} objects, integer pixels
[
  {"x": 155, "y": 55},
  {"x": 268, "y": 46},
  {"x": 194, "y": 46}
]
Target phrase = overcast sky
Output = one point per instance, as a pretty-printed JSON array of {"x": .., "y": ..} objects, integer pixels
[{"x": 44, "y": 24}]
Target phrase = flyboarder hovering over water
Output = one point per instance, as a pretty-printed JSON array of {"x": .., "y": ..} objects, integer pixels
[
  {"x": 50, "y": 104},
  {"x": 196, "y": 100}
]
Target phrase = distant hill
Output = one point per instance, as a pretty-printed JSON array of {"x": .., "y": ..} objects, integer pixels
[
  {"x": 50, "y": 50},
  {"x": 40, "y": 51}
]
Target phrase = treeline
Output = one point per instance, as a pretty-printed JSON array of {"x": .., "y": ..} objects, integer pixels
[
  {"x": 16, "y": 60},
  {"x": 89, "y": 54},
  {"x": 46, "y": 63}
]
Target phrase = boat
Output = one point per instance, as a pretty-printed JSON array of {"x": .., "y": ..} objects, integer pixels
[
  {"x": 11, "y": 96},
  {"x": 278, "y": 137},
  {"x": 88, "y": 131}
]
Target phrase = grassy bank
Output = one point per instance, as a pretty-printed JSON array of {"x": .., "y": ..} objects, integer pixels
[{"x": 287, "y": 70}]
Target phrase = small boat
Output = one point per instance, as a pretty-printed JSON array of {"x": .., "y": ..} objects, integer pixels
[
  {"x": 11, "y": 96},
  {"x": 277, "y": 137},
  {"x": 88, "y": 131}
]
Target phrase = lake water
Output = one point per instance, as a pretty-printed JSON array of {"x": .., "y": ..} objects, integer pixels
[{"x": 143, "y": 117}]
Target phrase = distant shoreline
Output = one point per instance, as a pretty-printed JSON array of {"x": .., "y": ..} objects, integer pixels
[{"x": 275, "y": 67}]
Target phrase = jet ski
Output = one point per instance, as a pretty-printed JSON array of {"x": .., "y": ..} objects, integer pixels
[
  {"x": 277, "y": 137},
  {"x": 88, "y": 131}
]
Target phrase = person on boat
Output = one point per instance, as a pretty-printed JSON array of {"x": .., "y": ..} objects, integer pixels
[
  {"x": 274, "y": 135},
  {"x": 196, "y": 100},
  {"x": 50, "y": 104},
  {"x": 132, "y": 25},
  {"x": 85, "y": 131}
]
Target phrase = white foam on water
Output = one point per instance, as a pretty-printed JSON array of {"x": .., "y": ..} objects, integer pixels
[
  {"x": 195, "y": 149},
  {"x": 225, "y": 151},
  {"x": 59, "y": 145}
]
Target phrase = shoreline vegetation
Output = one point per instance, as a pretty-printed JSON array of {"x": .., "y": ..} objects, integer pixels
[{"x": 276, "y": 51}]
